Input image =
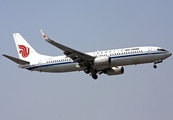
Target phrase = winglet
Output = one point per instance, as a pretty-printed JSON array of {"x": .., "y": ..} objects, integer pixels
[{"x": 44, "y": 35}]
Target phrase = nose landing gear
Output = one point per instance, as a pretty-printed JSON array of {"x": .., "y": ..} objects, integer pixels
[{"x": 155, "y": 66}]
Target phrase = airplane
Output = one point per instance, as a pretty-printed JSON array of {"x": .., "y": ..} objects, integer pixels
[{"x": 110, "y": 62}]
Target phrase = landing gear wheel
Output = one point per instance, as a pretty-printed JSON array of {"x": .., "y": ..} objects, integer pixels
[
  {"x": 87, "y": 71},
  {"x": 155, "y": 66},
  {"x": 94, "y": 76}
]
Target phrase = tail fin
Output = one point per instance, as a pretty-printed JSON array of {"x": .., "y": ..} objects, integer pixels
[{"x": 24, "y": 49}]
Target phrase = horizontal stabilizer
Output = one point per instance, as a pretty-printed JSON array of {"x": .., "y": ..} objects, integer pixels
[{"x": 16, "y": 60}]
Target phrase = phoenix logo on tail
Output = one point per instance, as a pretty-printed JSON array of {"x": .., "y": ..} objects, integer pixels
[{"x": 24, "y": 51}]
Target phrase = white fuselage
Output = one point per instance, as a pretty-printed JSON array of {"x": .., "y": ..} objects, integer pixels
[{"x": 119, "y": 57}]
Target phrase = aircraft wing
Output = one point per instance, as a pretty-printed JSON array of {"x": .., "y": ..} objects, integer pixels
[
  {"x": 16, "y": 60},
  {"x": 69, "y": 52}
]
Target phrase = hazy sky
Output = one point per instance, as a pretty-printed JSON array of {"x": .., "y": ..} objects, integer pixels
[{"x": 141, "y": 93}]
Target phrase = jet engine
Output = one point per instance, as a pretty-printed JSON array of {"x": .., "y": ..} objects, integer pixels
[
  {"x": 115, "y": 70},
  {"x": 102, "y": 61}
]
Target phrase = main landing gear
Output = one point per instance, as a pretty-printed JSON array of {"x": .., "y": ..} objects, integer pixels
[
  {"x": 87, "y": 70},
  {"x": 93, "y": 72},
  {"x": 155, "y": 66},
  {"x": 94, "y": 76}
]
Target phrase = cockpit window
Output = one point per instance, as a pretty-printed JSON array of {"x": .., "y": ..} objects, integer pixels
[{"x": 161, "y": 49}]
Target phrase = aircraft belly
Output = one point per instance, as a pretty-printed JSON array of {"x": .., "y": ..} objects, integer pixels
[
  {"x": 153, "y": 58},
  {"x": 133, "y": 60},
  {"x": 121, "y": 61},
  {"x": 62, "y": 68},
  {"x": 67, "y": 68}
]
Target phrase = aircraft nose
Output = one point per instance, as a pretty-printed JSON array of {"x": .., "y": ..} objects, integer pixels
[{"x": 169, "y": 54}]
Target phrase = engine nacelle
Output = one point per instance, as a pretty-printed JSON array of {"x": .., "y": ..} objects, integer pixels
[
  {"x": 115, "y": 70},
  {"x": 102, "y": 61}
]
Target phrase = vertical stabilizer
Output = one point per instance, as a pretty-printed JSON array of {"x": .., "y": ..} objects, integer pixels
[{"x": 24, "y": 49}]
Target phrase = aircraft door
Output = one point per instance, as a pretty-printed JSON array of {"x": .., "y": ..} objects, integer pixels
[
  {"x": 39, "y": 62},
  {"x": 149, "y": 58},
  {"x": 149, "y": 50}
]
